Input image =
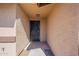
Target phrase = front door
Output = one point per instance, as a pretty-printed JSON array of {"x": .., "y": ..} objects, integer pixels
[{"x": 35, "y": 30}]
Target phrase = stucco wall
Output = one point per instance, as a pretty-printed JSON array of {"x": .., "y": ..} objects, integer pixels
[
  {"x": 8, "y": 29},
  {"x": 62, "y": 31},
  {"x": 7, "y": 15},
  {"x": 7, "y": 20},
  {"x": 22, "y": 30},
  {"x": 43, "y": 27},
  {"x": 78, "y": 25}
]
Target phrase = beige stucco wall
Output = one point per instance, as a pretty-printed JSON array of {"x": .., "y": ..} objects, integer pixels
[
  {"x": 78, "y": 25},
  {"x": 22, "y": 30},
  {"x": 62, "y": 31},
  {"x": 43, "y": 27},
  {"x": 7, "y": 20},
  {"x": 8, "y": 29}
]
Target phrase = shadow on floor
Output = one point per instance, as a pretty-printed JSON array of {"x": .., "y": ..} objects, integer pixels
[{"x": 43, "y": 45}]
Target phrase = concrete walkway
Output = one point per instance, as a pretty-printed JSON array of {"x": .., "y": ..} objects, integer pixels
[
  {"x": 39, "y": 48},
  {"x": 36, "y": 52}
]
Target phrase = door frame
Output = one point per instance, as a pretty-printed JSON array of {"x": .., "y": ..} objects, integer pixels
[{"x": 30, "y": 29}]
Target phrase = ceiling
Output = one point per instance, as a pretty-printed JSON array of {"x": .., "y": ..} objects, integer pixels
[{"x": 35, "y": 12}]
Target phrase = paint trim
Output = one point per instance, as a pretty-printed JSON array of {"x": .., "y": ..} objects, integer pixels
[
  {"x": 27, "y": 46},
  {"x": 7, "y": 39}
]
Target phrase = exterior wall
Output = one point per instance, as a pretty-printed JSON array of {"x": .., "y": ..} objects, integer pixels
[
  {"x": 62, "y": 31},
  {"x": 78, "y": 25},
  {"x": 8, "y": 29},
  {"x": 43, "y": 30},
  {"x": 22, "y": 30}
]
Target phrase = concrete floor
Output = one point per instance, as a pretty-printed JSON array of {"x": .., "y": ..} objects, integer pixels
[
  {"x": 36, "y": 52},
  {"x": 43, "y": 45}
]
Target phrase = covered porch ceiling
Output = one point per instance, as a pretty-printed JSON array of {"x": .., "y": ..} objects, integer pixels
[{"x": 37, "y": 10}]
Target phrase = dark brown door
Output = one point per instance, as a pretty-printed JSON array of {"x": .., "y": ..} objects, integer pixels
[{"x": 35, "y": 30}]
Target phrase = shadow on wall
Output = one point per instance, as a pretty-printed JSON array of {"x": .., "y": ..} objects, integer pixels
[
  {"x": 7, "y": 23},
  {"x": 8, "y": 31},
  {"x": 21, "y": 37},
  {"x": 7, "y": 15}
]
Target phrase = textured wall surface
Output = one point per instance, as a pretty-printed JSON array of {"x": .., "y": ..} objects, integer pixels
[
  {"x": 7, "y": 15},
  {"x": 78, "y": 25},
  {"x": 62, "y": 31},
  {"x": 7, "y": 29},
  {"x": 43, "y": 30},
  {"x": 22, "y": 30}
]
